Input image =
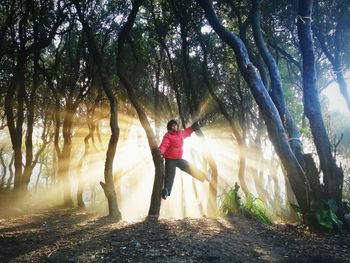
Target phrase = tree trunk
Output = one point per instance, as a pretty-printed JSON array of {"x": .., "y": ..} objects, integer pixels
[
  {"x": 3, "y": 176},
  {"x": 157, "y": 159},
  {"x": 276, "y": 93},
  {"x": 38, "y": 178},
  {"x": 242, "y": 168},
  {"x": 63, "y": 157},
  {"x": 332, "y": 174},
  {"x": 16, "y": 129},
  {"x": 66, "y": 156},
  {"x": 59, "y": 160},
  {"x": 192, "y": 99},
  {"x": 156, "y": 100},
  {"x": 9, "y": 180},
  {"x": 291, "y": 201},
  {"x": 108, "y": 185},
  {"x": 256, "y": 60},
  {"x": 80, "y": 201},
  {"x": 80, "y": 191},
  {"x": 267, "y": 108},
  {"x": 28, "y": 167}
]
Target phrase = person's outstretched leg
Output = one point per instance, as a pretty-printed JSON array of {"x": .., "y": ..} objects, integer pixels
[
  {"x": 191, "y": 170},
  {"x": 170, "y": 167}
]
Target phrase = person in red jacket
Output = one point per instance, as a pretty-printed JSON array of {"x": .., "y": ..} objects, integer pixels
[{"x": 171, "y": 150}]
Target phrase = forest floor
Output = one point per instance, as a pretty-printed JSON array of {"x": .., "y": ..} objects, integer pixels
[{"x": 66, "y": 235}]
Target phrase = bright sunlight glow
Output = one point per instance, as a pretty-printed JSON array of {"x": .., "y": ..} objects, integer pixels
[{"x": 134, "y": 171}]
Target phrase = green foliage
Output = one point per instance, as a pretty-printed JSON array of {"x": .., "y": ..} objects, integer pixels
[
  {"x": 231, "y": 203},
  {"x": 325, "y": 212},
  {"x": 251, "y": 207},
  {"x": 255, "y": 208}
]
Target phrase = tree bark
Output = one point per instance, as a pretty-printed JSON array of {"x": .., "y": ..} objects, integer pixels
[
  {"x": 66, "y": 156},
  {"x": 108, "y": 185},
  {"x": 17, "y": 84},
  {"x": 332, "y": 174},
  {"x": 16, "y": 126},
  {"x": 156, "y": 99},
  {"x": 276, "y": 93},
  {"x": 28, "y": 15},
  {"x": 267, "y": 108},
  {"x": 157, "y": 159},
  {"x": 9, "y": 180},
  {"x": 58, "y": 152},
  {"x": 63, "y": 156},
  {"x": 71, "y": 101},
  {"x": 256, "y": 60},
  {"x": 28, "y": 167},
  {"x": 3, "y": 176}
]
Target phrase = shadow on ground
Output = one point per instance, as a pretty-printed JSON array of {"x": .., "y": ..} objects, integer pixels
[{"x": 68, "y": 235}]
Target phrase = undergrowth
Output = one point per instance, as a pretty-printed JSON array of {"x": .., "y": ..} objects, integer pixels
[{"x": 251, "y": 207}]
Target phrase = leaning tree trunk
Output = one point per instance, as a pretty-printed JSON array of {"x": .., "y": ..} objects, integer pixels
[
  {"x": 269, "y": 112},
  {"x": 256, "y": 59},
  {"x": 108, "y": 185},
  {"x": 332, "y": 174},
  {"x": 157, "y": 159},
  {"x": 276, "y": 93}
]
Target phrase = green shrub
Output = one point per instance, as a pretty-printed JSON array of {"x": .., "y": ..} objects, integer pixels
[
  {"x": 231, "y": 203},
  {"x": 251, "y": 207},
  {"x": 325, "y": 211},
  {"x": 255, "y": 208}
]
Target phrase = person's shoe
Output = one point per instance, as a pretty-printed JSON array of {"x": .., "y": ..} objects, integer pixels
[
  {"x": 165, "y": 193},
  {"x": 208, "y": 175}
]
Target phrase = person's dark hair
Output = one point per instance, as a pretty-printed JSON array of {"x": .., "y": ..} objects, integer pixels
[{"x": 170, "y": 123}]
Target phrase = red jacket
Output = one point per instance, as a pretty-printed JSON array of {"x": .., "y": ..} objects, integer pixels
[{"x": 171, "y": 146}]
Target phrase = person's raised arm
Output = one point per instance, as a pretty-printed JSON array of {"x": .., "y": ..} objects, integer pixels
[{"x": 188, "y": 131}]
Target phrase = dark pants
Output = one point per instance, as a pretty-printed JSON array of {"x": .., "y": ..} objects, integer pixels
[{"x": 170, "y": 167}]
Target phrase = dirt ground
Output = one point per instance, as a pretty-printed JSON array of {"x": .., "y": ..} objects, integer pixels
[{"x": 66, "y": 235}]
